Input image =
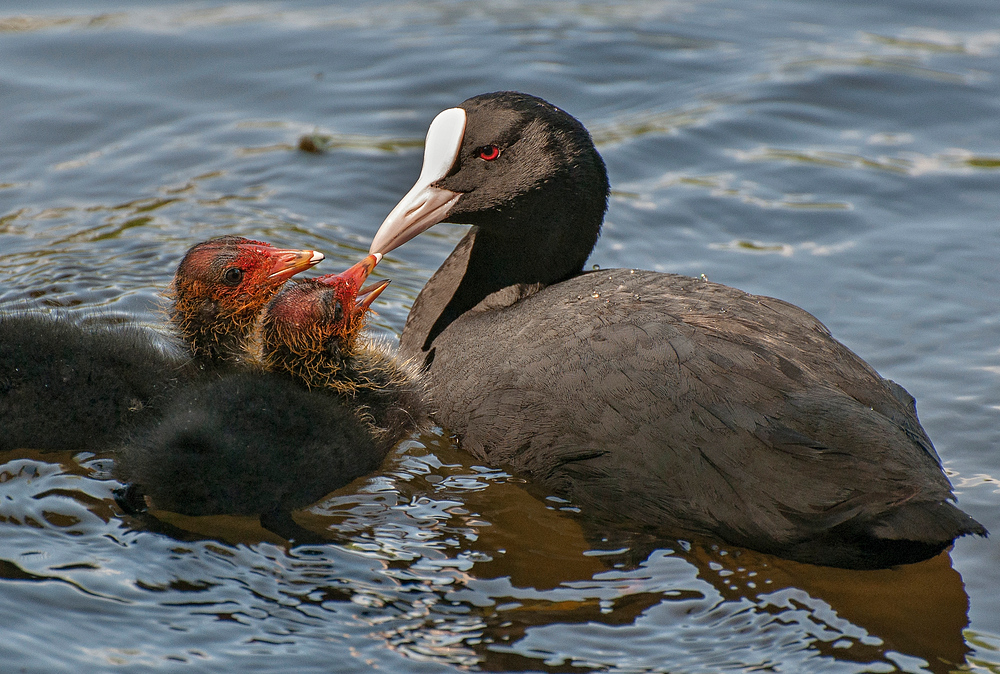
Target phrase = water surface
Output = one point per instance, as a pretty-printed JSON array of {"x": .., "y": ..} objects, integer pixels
[{"x": 841, "y": 156}]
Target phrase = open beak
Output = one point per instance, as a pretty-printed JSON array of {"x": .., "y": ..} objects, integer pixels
[
  {"x": 368, "y": 295},
  {"x": 356, "y": 275},
  {"x": 426, "y": 205},
  {"x": 286, "y": 263}
]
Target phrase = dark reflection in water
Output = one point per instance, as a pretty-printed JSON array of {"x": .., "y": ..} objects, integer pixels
[
  {"x": 442, "y": 563},
  {"x": 842, "y": 156}
]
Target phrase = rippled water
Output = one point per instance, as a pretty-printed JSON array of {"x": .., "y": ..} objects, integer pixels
[{"x": 842, "y": 156}]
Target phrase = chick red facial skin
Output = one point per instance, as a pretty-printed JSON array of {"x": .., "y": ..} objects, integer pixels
[{"x": 232, "y": 266}]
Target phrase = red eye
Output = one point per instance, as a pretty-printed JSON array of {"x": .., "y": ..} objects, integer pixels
[{"x": 489, "y": 152}]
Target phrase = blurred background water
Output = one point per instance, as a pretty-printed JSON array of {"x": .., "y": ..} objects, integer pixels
[{"x": 841, "y": 156}]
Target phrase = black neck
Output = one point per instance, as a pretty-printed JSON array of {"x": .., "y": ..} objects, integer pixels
[{"x": 542, "y": 250}]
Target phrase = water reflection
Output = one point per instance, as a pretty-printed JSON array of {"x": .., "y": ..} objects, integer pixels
[{"x": 442, "y": 561}]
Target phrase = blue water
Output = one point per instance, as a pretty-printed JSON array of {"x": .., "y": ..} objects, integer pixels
[{"x": 841, "y": 156}]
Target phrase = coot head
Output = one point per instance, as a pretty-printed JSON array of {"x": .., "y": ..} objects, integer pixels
[
  {"x": 522, "y": 170},
  {"x": 312, "y": 325},
  {"x": 222, "y": 285}
]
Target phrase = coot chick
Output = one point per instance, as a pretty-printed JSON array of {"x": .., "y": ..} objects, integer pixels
[
  {"x": 654, "y": 399},
  {"x": 71, "y": 386},
  {"x": 68, "y": 385},
  {"x": 313, "y": 331},
  {"x": 246, "y": 443},
  {"x": 261, "y": 442}
]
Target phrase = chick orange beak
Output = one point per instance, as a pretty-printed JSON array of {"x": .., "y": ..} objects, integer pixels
[
  {"x": 286, "y": 263},
  {"x": 354, "y": 277}
]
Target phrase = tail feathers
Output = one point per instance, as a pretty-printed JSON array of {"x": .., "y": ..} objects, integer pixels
[
  {"x": 929, "y": 523},
  {"x": 910, "y": 533}
]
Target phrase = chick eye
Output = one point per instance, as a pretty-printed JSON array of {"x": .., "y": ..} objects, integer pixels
[
  {"x": 233, "y": 276},
  {"x": 338, "y": 311},
  {"x": 488, "y": 152}
]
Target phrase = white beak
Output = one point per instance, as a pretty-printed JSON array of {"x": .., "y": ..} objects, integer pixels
[{"x": 424, "y": 205}]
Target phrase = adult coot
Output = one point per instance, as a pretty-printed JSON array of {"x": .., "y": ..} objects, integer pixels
[
  {"x": 661, "y": 400},
  {"x": 68, "y": 385},
  {"x": 259, "y": 442}
]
